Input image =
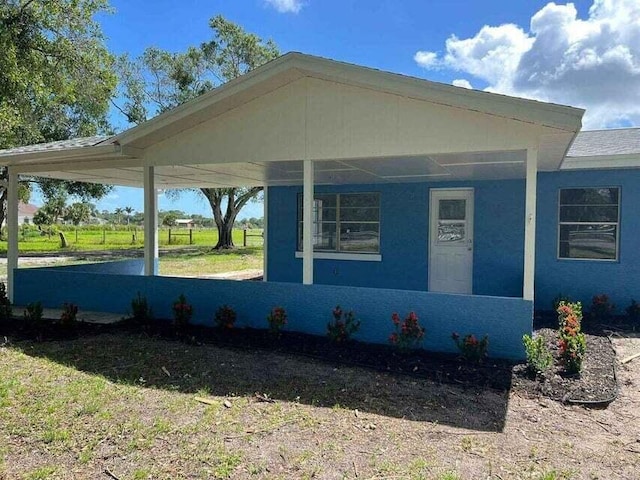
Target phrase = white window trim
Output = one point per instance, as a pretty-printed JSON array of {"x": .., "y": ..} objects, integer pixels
[
  {"x": 617, "y": 224},
  {"x": 359, "y": 257}
]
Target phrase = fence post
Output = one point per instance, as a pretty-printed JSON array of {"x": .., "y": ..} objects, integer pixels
[
  {"x": 244, "y": 237},
  {"x": 191, "y": 236},
  {"x": 76, "y": 235},
  {"x": 104, "y": 236},
  {"x": 169, "y": 236}
]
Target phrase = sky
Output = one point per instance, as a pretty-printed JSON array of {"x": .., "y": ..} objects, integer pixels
[{"x": 584, "y": 54}]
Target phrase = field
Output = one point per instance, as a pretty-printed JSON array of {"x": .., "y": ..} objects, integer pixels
[
  {"x": 94, "y": 238},
  {"x": 138, "y": 408}
]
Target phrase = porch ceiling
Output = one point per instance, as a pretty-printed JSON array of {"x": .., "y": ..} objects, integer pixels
[{"x": 450, "y": 167}]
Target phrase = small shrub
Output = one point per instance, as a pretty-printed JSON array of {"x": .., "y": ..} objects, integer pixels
[
  {"x": 5, "y": 304},
  {"x": 225, "y": 317},
  {"x": 69, "y": 316},
  {"x": 140, "y": 309},
  {"x": 601, "y": 308},
  {"x": 539, "y": 358},
  {"x": 182, "y": 312},
  {"x": 344, "y": 325},
  {"x": 33, "y": 313},
  {"x": 471, "y": 349},
  {"x": 560, "y": 298},
  {"x": 277, "y": 319},
  {"x": 408, "y": 333},
  {"x": 572, "y": 342},
  {"x": 633, "y": 312}
]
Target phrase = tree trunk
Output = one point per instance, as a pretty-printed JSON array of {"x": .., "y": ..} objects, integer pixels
[{"x": 225, "y": 236}]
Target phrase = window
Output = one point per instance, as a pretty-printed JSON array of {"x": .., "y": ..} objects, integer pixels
[
  {"x": 589, "y": 223},
  {"x": 344, "y": 222}
]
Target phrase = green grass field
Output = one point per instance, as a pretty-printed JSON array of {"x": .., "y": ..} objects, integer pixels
[{"x": 86, "y": 239}]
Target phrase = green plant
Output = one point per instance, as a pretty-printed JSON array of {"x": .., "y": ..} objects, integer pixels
[
  {"x": 572, "y": 342},
  {"x": 601, "y": 308},
  {"x": 68, "y": 317},
  {"x": 225, "y": 317},
  {"x": 539, "y": 358},
  {"x": 408, "y": 333},
  {"x": 140, "y": 309},
  {"x": 33, "y": 313},
  {"x": 5, "y": 303},
  {"x": 633, "y": 312},
  {"x": 182, "y": 312},
  {"x": 560, "y": 298},
  {"x": 471, "y": 349},
  {"x": 344, "y": 325},
  {"x": 277, "y": 319}
]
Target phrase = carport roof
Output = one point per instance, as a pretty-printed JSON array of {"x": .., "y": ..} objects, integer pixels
[{"x": 120, "y": 159}]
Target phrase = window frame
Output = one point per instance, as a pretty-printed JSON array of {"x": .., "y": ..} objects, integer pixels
[
  {"x": 337, "y": 252},
  {"x": 616, "y": 224}
]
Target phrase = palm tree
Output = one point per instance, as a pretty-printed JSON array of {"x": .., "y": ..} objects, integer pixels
[
  {"x": 118, "y": 211},
  {"x": 129, "y": 211}
]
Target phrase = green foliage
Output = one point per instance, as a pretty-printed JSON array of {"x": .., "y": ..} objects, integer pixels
[
  {"x": 408, "y": 333},
  {"x": 633, "y": 312},
  {"x": 471, "y": 349},
  {"x": 33, "y": 313},
  {"x": 182, "y": 313},
  {"x": 5, "y": 304},
  {"x": 539, "y": 358},
  {"x": 140, "y": 309},
  {"x": 277, "y": 319},
  {"x": 69, "y": 316},
  {"x": 225, "y": 317},
  {"x": 169, "y": 220},
  {"x": 572, "y": 342},
  {"x": 601, "y": 308},
  {"x": 560, "y": 298},
  {"x": 343, "y": 325},
  {"x": 159, "y": 81}
]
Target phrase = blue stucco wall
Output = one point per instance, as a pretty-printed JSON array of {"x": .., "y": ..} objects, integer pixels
[
  {"x": 404, "y": 227},
  {"x": 120, "y": 267},
  {"x": 581, "y": 279},
  {"x": 505, "y": 320}
]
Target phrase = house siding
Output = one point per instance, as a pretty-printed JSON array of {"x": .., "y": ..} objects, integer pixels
[
  {"x": 404, "y": 226},
  {"x": 498, "y": 238}
]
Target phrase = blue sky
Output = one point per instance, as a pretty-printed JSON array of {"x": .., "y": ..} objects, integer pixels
[{"x": 585, "y": 53}]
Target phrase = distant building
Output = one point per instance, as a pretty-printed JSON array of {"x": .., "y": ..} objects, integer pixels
[
  {"x": 26, "y": 211},
  {"x": 185, "y": 222}
]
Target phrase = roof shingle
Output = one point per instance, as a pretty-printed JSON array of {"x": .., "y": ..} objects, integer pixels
[{"x": 595, "y": 143}]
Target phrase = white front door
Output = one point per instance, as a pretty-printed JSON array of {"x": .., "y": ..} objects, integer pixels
[{"x": 451, "y": 240}]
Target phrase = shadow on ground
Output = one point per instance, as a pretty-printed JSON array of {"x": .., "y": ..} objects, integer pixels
[{"x": 211, "y": 370}]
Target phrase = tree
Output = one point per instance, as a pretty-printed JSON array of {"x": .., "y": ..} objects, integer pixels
[
  {"x": 56, "y": 77},
  {"x": 169, "y": 220},
  {"x": 128, "y": 211},
  {"x": 118, "y": 211},
  {"x": 163, "y": 80},
  {"x": 78, "y": 212}
]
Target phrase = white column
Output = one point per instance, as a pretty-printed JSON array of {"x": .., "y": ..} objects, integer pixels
[
  {"x": 530, "y": 224},
  {"x": 307, "y": 223},
  {"x": 265, "y": 231},
  {"x": 150, "y": 222},
  {"x": 12, "y": 231}
]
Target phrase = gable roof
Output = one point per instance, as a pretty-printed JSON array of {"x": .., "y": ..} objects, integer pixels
[{"x": 80, "y": 142}]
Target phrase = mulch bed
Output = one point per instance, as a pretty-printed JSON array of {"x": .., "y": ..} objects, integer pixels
[{"x": 596, "y": 384}]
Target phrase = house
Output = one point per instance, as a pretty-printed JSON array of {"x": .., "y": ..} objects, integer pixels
[
  {"x": 383, "y": 193},
  {"x": 26, "y": 211},
  {"x": 185, "y": 222}
]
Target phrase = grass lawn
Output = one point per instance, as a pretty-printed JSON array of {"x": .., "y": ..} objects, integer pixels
[
  {"x": 127, "y": 404},
  {"x": 205, "y": 262},
  {"x": 121, "y": 239}
]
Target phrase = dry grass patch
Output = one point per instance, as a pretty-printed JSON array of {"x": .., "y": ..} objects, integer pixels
[{"x": 75, "y": 408}]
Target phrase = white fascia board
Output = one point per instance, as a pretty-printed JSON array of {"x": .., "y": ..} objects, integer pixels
[
  {"x": 59, "y": 155},
  {"x": 601, "y": 162}
]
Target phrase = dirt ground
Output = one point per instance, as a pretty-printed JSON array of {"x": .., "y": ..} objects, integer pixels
[{"x": 279, "y": 416}]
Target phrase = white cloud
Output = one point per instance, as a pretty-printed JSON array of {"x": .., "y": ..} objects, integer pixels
[
  {"x": 426, "y": 59},
  {"x": 592, "y": 63},
  {"x": 461, "y": 82},
  {"x": 286, "y": 6}
]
